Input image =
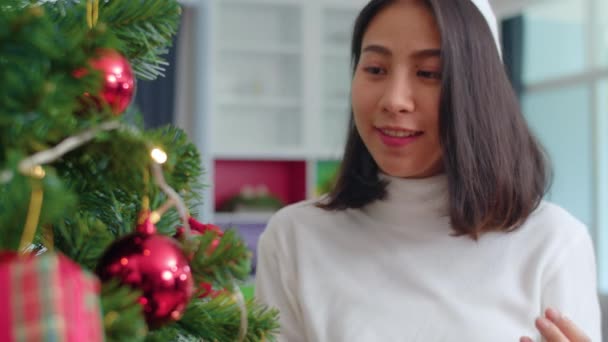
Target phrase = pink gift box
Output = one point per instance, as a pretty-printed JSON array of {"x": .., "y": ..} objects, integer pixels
[{"x": 48, "y": 298}]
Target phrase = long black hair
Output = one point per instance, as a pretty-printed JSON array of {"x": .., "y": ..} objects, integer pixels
[{"x": 497, "y": 171}]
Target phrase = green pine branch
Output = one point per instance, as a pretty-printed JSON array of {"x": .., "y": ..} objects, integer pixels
[
  {"x": 92, "y": 195},
  {"x": 86, "y": 246},
  {"x": 146, "y": 27},
  {"x": 222, "y": 266},
  {"x": 170, "y": 333},
  {"x": 123, "y": 317},
  {"x": 218, "y": 319},
  {"x": 15, "y": 196}
]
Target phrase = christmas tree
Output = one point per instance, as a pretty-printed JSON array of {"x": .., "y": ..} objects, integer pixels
[{"x": 96, "y": 213}]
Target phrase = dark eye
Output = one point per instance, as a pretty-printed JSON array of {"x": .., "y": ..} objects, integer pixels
[
  {"x": 429, "y": 74},
  {"x": 375, "y": 70}
]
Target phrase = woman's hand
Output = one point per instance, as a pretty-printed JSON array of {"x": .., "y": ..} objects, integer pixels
[{"x": 557, "y": 328}]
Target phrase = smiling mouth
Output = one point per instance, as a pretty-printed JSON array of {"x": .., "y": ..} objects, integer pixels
[{"x": 399, "y": 133}]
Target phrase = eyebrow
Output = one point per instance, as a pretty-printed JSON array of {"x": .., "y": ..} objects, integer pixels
[
  {"x": 382, "y": 50},
  {"x": 379, "y": 49}
]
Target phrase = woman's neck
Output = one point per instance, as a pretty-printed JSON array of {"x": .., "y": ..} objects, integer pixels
[{"x": 410, "y": 198}]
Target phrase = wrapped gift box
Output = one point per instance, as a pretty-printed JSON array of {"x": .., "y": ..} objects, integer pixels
[{"x": 48, "y": 298}]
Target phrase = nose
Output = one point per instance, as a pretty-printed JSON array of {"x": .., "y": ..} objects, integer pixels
[{"x": 398, "y": 97}]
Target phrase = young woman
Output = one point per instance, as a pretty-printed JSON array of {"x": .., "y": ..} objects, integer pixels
[{"x": 436, "y": 229}]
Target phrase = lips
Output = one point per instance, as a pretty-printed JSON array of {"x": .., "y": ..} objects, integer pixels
[
  {"x": 398, "y": 137},
  {"x": 399, "y": 133}
]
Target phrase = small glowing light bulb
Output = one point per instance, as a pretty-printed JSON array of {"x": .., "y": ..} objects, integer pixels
[
  {"x": 159, "y": 155},
  {"x": 38, "y": 172}
]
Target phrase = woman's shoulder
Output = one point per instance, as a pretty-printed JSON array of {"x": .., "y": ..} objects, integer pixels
[
  {"x": 297, "y": 212},
  {"x": 549, "y": 214},
  {"x": 305, "y": 216},
  {"x": 552, "y": 224}
]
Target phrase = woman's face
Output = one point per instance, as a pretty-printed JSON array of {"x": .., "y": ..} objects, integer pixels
[{"x": 396, "y": 89}]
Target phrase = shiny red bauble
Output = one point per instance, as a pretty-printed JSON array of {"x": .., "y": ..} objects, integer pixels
[
  {"x": 154, "y": 264},
  {"x": 118, "y": 80}
]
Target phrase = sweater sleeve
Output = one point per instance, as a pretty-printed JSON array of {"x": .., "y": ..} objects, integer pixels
[
  {"x": 571, "y": 286},
  {"x": 275, "y": 283}
]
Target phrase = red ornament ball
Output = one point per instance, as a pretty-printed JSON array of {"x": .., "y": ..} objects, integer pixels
[
  {"x": 156, "y": 265},
  {"x": 118, "y": 80}
]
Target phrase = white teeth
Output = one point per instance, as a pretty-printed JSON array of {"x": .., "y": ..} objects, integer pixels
[{"x": 398, "y": 134}]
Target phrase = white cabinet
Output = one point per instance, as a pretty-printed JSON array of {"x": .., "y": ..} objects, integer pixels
[
  {"x": 258, "y": 83},
  {"x": 337, "y": 24},
  {"x": 280, "y": 83}
]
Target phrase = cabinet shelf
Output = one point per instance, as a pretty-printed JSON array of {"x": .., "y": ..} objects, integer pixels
[
  {"x": 250, "y": 101},
  {"x": 261, "y": 2},
  {"x": 240, "y": 218},
  {"x": 260, "y": 48},
  {"x": 281, "y": 154},
  {"x": 277, "y": 153}
]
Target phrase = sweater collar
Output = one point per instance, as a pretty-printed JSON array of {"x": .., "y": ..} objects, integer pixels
[{"x": 410, "y": 199}]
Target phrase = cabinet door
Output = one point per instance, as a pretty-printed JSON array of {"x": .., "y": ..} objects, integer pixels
[
  {"x": 336, "y": 31},
  {"x": 257, "y": 79}
]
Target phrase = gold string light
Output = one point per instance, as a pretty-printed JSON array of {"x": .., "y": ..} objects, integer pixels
[{"x": 160, "y": 157}]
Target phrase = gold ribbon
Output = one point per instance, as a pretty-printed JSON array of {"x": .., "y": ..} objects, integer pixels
[
  {"x": 92, "y": 12},
  {"x": 33, "y": 215}
]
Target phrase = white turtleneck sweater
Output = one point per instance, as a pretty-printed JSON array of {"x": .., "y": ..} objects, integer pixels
[{"x": 392, "y": 272}]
